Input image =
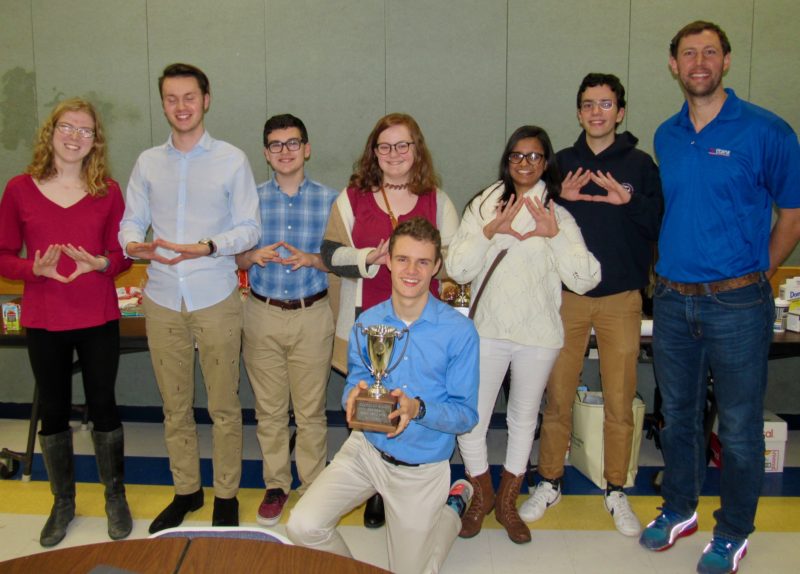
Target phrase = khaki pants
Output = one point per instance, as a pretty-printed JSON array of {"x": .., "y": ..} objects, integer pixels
[
  {"x": 617, "y": 323},
  {"x": 288, "y": 354},
  {"x": 420, "y": 528},
  {"x": 171, "y": 336}
]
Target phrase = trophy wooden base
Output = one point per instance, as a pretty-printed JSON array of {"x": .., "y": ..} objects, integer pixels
[{"x": 373, "y": 414}]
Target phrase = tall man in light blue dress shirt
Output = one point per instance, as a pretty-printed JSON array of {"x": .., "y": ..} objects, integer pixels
[
  {"x": 199, "y": 196},
  {"x": 436, "y": 388},
  {"x": 288, "y": 322}
]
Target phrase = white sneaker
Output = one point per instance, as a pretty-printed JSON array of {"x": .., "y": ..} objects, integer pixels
[
  {"x": 544, "y": 496},
  {"x": 624, "y": 519}
]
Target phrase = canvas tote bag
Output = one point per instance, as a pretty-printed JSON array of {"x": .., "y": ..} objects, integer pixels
[{"x": 586, "y": 447}]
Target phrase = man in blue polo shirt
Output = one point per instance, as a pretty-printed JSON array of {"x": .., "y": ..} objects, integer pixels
[
  {"x": 436, "y": 387},
  {"x": 288, "y": 323},
  {"x": 724, "y": 162}
]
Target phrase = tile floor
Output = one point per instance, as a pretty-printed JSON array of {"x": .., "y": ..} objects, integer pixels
[{"x": 577, "y": 536}]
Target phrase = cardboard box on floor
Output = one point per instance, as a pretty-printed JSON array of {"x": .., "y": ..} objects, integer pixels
[{"x": 775, "y": 437}]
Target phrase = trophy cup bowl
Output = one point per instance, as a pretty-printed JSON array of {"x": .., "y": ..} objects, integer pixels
[{"x": 374, "y": 404}]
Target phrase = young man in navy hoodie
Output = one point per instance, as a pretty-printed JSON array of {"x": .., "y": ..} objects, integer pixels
[{"x": 614, "y": 192}]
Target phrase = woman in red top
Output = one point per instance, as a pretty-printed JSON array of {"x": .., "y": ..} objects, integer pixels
[
  {"x": 393, "y": 181},
  {"x": 66, "y": 211}
]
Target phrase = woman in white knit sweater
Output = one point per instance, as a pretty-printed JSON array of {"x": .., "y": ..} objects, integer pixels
[{"x": 518, "y": 316}]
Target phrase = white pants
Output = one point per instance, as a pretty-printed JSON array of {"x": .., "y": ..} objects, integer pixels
[
  {"x": 420, "y": 527},
  {"x": 530, "y": 369}
]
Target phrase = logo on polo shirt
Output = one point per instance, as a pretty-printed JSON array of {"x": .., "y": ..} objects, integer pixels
[
  {"x": 719, "y": 152},
  {"x": 628, "y": 187}
]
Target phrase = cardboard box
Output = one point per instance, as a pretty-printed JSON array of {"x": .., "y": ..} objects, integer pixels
[
  {"x": 775, "y": 437},
  {"x": 776, "y": 434},
  {"x": 793, "y": 321}
]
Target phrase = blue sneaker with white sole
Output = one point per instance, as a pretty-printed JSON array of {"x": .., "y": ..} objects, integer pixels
[
  {"x": 722, "y": 556},
  {"x": 668, "y": 526}
]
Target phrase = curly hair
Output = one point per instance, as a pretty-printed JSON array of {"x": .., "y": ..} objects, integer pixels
[
  {"x": 95, "y": 165},
  {"x": 367, "y": 173}
]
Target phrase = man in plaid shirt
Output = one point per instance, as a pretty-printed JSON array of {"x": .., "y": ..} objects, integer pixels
[{"x": 288, "y": 323}]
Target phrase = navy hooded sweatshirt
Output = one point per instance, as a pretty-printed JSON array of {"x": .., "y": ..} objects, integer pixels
[{"x": 621, "y": 237}]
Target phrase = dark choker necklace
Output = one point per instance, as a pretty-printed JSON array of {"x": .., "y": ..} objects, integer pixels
[{"x": 393, "y": 186}]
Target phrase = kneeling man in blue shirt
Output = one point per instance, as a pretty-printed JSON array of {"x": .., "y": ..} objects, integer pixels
[{"x": 436, "y": 388}]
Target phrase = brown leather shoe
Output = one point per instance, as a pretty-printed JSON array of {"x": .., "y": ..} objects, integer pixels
[
  {"x": 482, "y": 504},
  {"x": 505, "y": 508}
]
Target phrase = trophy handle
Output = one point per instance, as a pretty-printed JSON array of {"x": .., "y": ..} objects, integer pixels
[
  {"x": 403, "y": 334},
  {"x": 363, "y": 330}
]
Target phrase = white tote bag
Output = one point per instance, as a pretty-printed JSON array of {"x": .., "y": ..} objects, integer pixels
[{"x": 586, "y": 448}]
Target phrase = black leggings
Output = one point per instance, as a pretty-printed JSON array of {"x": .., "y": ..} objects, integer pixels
[{"x": 51, "y": 354}]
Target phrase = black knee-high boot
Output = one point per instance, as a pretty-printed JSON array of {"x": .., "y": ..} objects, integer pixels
[
  {"x": 109, "y": 451},
  {"x": 58, "y": 459}
]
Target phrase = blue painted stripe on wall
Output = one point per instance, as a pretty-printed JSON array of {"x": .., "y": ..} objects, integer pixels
[{"x": 155, "y": 471}]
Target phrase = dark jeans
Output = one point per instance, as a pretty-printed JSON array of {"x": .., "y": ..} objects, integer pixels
[
  {"x": 729, "y": 333},
  {"x": 51, "y": 353}
]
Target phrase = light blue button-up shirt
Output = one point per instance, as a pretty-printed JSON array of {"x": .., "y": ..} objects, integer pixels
[
  {"x": 440, "y": 366},
  {"x": 207, "y": 192}
]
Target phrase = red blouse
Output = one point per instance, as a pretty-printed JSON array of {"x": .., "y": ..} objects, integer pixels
[{"x": 28, "y": 217}]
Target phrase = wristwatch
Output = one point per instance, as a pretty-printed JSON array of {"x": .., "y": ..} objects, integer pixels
[
  {"x": 212, "y": 248},
  {"x": 421, "y": 411}
]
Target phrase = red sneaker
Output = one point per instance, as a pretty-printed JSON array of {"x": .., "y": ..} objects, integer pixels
[{"x": 269, "y": 513}]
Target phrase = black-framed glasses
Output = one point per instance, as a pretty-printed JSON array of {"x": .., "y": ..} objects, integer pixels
[
  {"x": 68, "y": 130},
  {"x": 517, "y": 157},
  {"x": 399, "y": 147},
  {"x": 589, "y": 105},
  {"x": 276, "y": 146}
]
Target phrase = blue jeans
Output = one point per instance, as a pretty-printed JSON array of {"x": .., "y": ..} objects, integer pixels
[{"x": 730, "y": 334}]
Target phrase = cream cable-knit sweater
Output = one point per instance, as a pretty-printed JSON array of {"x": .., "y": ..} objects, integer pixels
[{"x": 522, "y": 299}]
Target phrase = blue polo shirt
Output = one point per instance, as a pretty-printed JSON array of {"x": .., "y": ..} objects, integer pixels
[{"x": 719, "y": 186}]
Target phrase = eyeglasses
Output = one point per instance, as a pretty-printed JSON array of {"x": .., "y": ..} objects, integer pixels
[
  {"x": 399, "y": 147},
  {"x": 589, "y": 105},
  {"x": 277, "y": 146},
  {"x": 68, "y": 130},
  {"x": 517, "y": 157}
]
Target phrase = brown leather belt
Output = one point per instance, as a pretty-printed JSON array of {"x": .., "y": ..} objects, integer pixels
[
  {"x": 712, "y": 287},
  {"x": 291, "y": 304}
]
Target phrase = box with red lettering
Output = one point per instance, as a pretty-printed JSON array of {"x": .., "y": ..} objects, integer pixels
[{"x": 776, "y": 434}]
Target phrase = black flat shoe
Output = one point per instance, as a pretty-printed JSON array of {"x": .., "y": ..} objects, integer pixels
[
  {"x": 176, "y": 511},
  {"x": 374, "y": 515},
  {"x": 226, "y": 512}
]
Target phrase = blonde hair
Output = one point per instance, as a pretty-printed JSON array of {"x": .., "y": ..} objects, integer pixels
[{"x": 94, "y": 170}]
